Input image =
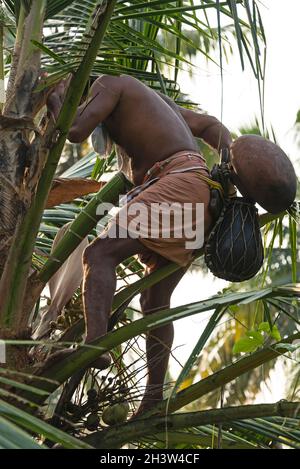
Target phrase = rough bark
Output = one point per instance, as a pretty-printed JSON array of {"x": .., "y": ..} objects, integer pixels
[
  {"x": 16, "y": 274},
  {"x": 21, "y": 152},
  {"x": 20, "y": 166}
]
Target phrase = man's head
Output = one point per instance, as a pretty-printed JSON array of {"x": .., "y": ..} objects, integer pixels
[{"x": 263, "y": 172}]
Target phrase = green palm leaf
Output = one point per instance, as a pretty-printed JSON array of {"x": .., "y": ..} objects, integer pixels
[
  {"x": 12, "y": 437},
  {"x": 33, "y": 424}
]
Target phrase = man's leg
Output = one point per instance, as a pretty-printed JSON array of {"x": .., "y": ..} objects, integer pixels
[
  {"x": 100, "y": 260},
  {"x": 159, "y": 341}
]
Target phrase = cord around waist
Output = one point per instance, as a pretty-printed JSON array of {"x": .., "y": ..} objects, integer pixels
[{"x": 160, "y": 165}]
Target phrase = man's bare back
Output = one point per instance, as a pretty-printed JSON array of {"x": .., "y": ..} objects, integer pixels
[{"x": 146, "y": 125}]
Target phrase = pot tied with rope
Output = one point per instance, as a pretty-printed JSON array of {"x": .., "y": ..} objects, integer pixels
[{"x": 263, "y": 174}]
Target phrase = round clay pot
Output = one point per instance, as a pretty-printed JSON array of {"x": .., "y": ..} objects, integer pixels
[{"x": 263, "y": 172}]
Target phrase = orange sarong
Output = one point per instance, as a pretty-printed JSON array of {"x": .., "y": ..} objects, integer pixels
[{"x": 181, "y": 178}]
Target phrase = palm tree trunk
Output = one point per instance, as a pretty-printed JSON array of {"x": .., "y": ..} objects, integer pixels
[
  {"x": 16, "y": 124},
  {"x": 29, "y": 162},
  {"x": 14, "y": 277}
]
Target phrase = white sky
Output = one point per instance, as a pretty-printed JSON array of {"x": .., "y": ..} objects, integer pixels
[
  {"x": 241, "y": 99},
  {"x": 241, "y": 105}
]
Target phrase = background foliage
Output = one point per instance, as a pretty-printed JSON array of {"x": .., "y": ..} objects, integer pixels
[{"x": 60, "y": 401}]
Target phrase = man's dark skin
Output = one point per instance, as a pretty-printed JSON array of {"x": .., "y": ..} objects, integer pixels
[{"x": 149, "y": 129}]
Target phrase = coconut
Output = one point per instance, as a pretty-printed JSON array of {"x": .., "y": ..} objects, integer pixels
[
  {"x": 92, "y": 422},
  {"x": 263, "y": 172},
  {"x": 92, "y": 394},
  {"x": 116, "y": 413}
]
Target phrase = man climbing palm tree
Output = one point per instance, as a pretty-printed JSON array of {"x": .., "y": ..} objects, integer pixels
[{"x": 158, "y": 137}]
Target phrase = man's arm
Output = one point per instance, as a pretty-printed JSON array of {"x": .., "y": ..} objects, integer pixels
[
  {"x": 209, "y": 128},
  {"x": 103, "y": 98},
  {"x": 203, "y": 126}
]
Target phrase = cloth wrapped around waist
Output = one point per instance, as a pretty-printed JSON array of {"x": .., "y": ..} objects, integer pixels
[
  {"x": 181, "y": 179},
  {"x": 184, "y": 161}
]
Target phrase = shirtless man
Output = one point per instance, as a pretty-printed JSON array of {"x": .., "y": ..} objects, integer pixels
[{"x": 150, "y": 128}]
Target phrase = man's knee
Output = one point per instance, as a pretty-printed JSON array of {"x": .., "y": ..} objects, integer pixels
[
  {"x": 159, "y": 295},
  {"x": 101, "y": 248},
  {"x": 143, "y": 300},
  {"x": 152, "y": 301}
]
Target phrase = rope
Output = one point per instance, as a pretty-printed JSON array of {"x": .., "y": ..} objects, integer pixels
[{"x": 213, "y": 184}]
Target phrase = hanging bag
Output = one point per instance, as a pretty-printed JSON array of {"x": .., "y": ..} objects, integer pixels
[{"x": 233, "y": 250}]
